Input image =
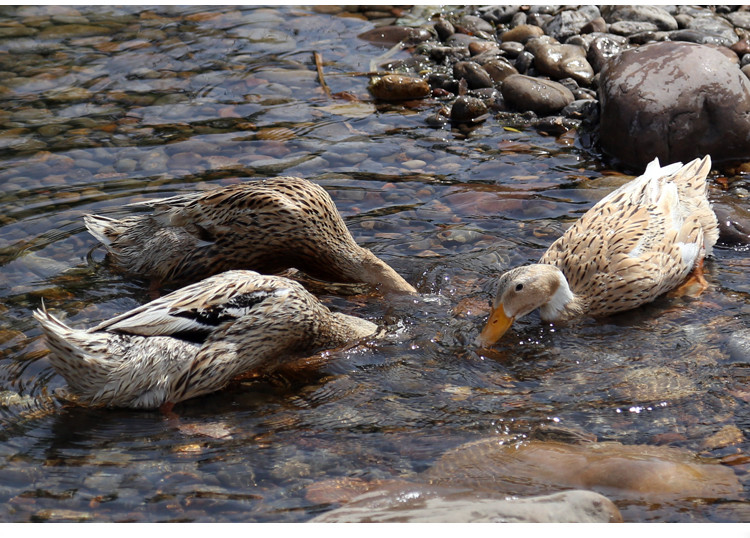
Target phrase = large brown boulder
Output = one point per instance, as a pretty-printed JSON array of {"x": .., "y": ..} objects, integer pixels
[{"x": 675, "y": 101}]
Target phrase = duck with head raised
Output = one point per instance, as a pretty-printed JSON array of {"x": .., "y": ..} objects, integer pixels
[
  {"x": 265, "y": 226},
  {"x": 637, "y": 243},
  {"x": 195, "y": 340}
]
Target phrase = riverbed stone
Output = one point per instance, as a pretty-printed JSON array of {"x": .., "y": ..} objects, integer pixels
[
  {"x": 420, "y": 503},
  {"x": 398, "y": 87},
  {"x": 675, "y": 101},
  {"x": 621, "y": 472},
  {"x": 739, "y": 18},
  {"x": 570, "y": 21},
  {"x": 603, "y": 47},
  {"x": 473, "y": 25},
  {"x": 561, "y": 61},
  {"x": 538, "y": 95},
  {"x": 594, "y": 25},
  {"x": 468, "y": 109},
  {"x": 715, "y": 26},
  {"x": 655, "y": 15},
  {"x": 62, "y": 31},
  {"x": 738, "y": 346},
  {"x": 473, "y": 73},
  {"x": 521, "y": 33},
  {"x": 390, "y": 35},
  {"x": 499, "y": 69},
  {"x": 627, "y": 28}
]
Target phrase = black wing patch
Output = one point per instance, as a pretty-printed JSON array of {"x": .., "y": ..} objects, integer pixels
[{"x": 234, "y": 308}]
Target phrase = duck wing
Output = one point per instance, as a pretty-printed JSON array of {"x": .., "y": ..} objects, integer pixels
[
  {"x": 195, "y": 311},
  {"x": 636, "y": 243},
  {"x": 281, "y": 202}
]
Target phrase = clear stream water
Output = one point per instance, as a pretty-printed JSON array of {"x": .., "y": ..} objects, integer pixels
[{"x": 106, "y": 106}]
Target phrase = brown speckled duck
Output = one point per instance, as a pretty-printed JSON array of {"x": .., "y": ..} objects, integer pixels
[
  {"x": 640, "y": 241},
  {"x": 195, "y": 340},
  {"x": 266, "y": 226}
]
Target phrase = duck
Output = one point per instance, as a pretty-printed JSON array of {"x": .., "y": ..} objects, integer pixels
[
  {"x": 640, "y": 241},
  {"x": 267, "y": 226},
  {"x": 195, "y": 340}
]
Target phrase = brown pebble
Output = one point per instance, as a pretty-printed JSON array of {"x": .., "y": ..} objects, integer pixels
[
  {"x": 727, "y": 436},
  {"x": 336, "y": 490},
  {"x": 735, "y": 459},
  {"x": 522, "y": 33},
  {"x": 398, "y": 88},
  {"x": 478, "y": 47},
  {"x": 594, "y": 25},
  {"x": 741, "y": 47},
  {"x": 275, "y": 133}
]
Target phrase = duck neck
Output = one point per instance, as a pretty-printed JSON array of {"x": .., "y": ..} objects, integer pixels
[
  {"x": 337, "y": 329},
  {"x": 379, "y": 274},
  {"x": 563, "y": 304}
]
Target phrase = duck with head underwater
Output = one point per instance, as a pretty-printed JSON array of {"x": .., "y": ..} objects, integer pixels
[
  {"x": 637, "y": 243},
  {"x": 195, "y": 340},
  {"x": 265, "y": 226}
]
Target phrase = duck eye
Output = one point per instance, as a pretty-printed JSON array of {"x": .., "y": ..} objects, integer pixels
[{"x": 519, "y": 287}]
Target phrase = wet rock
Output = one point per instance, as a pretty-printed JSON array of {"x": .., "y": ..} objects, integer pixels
[
  {"x": 739, "y": 18},
  {"x": 473, "y": 25},
  {"x": 486, "y": 48},
  {"x": 674, "y": 101},
  {"x": 443, "y": 81},
  {"x": 621, "y": 472},
  {"x": 580, "y": 108},
  {"x": 398, "y": 88},
  {"x": 603, "y": 47},
  {"x": 524, "y": 61},
  {"x": 452, "y": 54},
  {"x": 68, "y": 95},
  {"x": 699, "y": 37},
  {"x": 741, "y": 48},
  {"x": 460, "y": 40},
  {"x": 538, "y": 95},
  {"x": 63, "y": 31},
  {"x": 683, "y": 19},
  {"x": 491, "y": 97},
  {"x": 415, "y": 503},
  {"x": 444, "y": 29},
  {"x": 596, "y": 25},
  {"x": 62, "y": 515},
  {"x": 521, "y": 33},
  {"x": 653, "y": 383},
  {"x": 734, "y": 222},
  {"x": 655, "y": 15},
  {"x": 727, "y": 436},
  {"x": 499, "y": 69},
  {"x": 626, "y": 28},
  {"x": 15, "y": 29},
  {"x": 390, "y": 35},
  {"x": 717, "y": 27},
  {"x": 561, "y": 61},
  {"x": 569, "y": 22},
  {"x": 738, "y": 346},
  {"x": 473, "y": 73},
  {"x": 499, "y": 14},
  {"x": 511, "y": 49},
  {"x": 468, "y": 110}
]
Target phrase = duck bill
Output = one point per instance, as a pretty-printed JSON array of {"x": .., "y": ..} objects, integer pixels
[{"x": 496, "y": 327}]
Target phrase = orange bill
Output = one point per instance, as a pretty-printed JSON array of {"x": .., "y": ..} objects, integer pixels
[{"x": 496, "y": 327}]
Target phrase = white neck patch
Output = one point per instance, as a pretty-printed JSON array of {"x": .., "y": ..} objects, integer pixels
[{"x": 557, "y": 303}]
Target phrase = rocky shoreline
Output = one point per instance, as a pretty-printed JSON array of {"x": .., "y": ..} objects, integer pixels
[{"x": 550, "y": 67}]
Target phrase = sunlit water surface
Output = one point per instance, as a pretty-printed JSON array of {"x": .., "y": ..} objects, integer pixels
[{"x": 151, "y": 102}]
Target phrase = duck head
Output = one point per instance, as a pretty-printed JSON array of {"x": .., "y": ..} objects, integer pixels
[{"x": 522, "y": 290}]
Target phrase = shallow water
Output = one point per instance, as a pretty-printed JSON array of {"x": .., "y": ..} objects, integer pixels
[{"x": 107, "y": 106}]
